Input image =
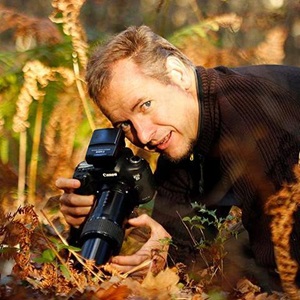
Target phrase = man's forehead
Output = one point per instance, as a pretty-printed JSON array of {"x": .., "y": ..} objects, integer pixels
[{"x": 126, "y": 65}]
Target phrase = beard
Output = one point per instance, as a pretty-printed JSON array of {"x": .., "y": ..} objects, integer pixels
[{"x": 185, "y": 153}]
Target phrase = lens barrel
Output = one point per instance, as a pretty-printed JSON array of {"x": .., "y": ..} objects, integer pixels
[{"x": 103, "y": 233}]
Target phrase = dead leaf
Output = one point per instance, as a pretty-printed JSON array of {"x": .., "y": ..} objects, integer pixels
[
  {"x": 245, "y": 286},
  {"x": 114, "y": 292},
  {"x": 163, "y": 280}
]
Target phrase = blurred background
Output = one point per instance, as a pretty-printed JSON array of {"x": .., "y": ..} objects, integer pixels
[
  {"x": 101, "y": 18},
  {"x": 46, "y": 118}
]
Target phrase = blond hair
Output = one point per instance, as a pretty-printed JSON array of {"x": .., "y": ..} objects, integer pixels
[{"x": 148, "y": 50}]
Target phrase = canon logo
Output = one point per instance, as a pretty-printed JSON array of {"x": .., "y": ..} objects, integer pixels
[{"x": 110, "y": 174}]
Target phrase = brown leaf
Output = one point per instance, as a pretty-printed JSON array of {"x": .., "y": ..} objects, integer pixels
[
  {"x": 114, "y": 292},
  {"x": 163, "y": 280},
  {"x": 245, "y": 286}
]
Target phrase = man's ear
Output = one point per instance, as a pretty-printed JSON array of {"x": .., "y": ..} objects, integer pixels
[{"x": 178, "y": 72}]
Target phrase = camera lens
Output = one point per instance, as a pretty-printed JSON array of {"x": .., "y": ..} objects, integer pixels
[
  {"x": 135, "y": 159},
  {"x": 97, "y": 249}
]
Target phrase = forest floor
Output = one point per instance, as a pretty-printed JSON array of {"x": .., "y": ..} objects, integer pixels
[{"x": 47, "y": 274}]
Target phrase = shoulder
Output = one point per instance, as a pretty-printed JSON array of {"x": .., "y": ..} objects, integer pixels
[
  {"x": 287, "y": 77},
  {"x": 268, "y": 71}
]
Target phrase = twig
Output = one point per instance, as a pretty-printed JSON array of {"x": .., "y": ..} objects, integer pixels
[{"x": 139, "y": 267}]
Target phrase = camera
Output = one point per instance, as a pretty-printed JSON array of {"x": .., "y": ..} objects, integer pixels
[{"x": 120, "y": 182}]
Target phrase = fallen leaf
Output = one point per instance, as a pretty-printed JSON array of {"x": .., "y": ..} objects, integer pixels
[
  {"x": 245, "y": 286},
  {"x": 165, "y": 279},
  {"x": 114, "y": 292}
]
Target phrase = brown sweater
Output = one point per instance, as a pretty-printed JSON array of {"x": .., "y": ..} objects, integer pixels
[{"x": 249, "y": 141}]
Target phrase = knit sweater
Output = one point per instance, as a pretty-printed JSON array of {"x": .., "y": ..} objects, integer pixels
[{"x": 248, "y": 144}]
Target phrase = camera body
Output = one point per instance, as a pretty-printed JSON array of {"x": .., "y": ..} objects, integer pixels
[{"x": 120, "y": 181}]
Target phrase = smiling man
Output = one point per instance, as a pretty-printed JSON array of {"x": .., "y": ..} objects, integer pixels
[
  {"x": 154, "y": 116},
  {"x": 226, "y": 137}
]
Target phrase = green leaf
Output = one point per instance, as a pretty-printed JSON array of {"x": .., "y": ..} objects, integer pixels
[
  {"x": 65, "y": 271},
  {"x": 68, "y": 247},
  {"x": 199, "y": 226},
  {"x": 186, "y": 219},
  {"x": 48, "y": 255},
  {"x": 59, "y": 245}
]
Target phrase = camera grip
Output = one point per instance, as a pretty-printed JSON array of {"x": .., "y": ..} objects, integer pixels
[{"x": 82, "y": 173}]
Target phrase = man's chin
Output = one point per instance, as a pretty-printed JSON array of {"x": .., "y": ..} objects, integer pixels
[{"x": 178, "y": 158}]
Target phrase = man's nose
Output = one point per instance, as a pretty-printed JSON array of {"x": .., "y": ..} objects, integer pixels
[{"x": 143, "y": 131}]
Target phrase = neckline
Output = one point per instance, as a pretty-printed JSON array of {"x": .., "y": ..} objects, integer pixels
[{"x": 200, "y": 98}]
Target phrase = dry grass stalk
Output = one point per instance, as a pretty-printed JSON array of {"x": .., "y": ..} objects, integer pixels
[
  {"x": 2, "y": 122},
  {"x": 35, "y": 153},
  {"x": 82, "y": 91},
  {"x": 36, "y": 77},
  {"x": 70, "y": 11}
]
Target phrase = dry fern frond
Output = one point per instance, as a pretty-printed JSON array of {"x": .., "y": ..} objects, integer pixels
[
  {"x": 35, "y": 74},
  {"x": 282, "y": 207},
  {"x": 59, "y": 136},
  {"x": 271, "y": 51},
  {"x": 56, "y": 275},
  {"x": 70, "y": 11},
  {"x": 16, "y": 231},
  {"x": 36, "y": 77},
  {"x": 28, "y": 30},
  {"x": 231, "y": 21},
  {"x": 67, "y": 13}
]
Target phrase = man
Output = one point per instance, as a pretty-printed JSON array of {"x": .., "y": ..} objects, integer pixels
[{"x": 226, "y": 137}]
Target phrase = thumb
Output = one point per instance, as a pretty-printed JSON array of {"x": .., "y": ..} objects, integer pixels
[{"x": 142, "y": 220}]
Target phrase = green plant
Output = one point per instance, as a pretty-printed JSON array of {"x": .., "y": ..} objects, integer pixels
[{"x": 212, "y": 250}]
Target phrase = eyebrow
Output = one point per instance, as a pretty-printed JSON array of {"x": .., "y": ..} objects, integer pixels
[{"x": 138, "y": 102}]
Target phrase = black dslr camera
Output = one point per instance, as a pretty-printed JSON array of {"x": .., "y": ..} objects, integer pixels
[{"x": 120, "y": 181}]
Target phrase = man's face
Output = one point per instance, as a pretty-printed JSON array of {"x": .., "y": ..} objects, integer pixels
[{"x": 154, "y": 116}]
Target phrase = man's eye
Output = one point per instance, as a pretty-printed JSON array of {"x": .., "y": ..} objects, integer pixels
[
  {"x": 125, "y": 125},
  {"x": 146, "y": 105}
]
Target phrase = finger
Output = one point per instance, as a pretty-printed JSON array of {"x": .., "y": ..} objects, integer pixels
[
  {"x": 74, "y": 200},
  {"x": 75, "y": 215},
  {"x": 75, "y": 211},
  {"x": 67, "y": 184},
  {"x": 142, "y": 220},
  {"x": 156, "y": 229},
  {"x": 74, "y": 221},
  {"x": 131, "y": 260}
]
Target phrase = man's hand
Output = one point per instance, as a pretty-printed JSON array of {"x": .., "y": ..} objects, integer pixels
[
  {"x": 74, "y": 207},
  {"x": 154, "y": 246}
]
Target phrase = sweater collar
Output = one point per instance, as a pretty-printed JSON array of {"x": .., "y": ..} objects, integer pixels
[{"x": 208, "y": 116}]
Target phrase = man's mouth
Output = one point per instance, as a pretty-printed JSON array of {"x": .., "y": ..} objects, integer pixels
[{"x": 163, "y": 144}]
